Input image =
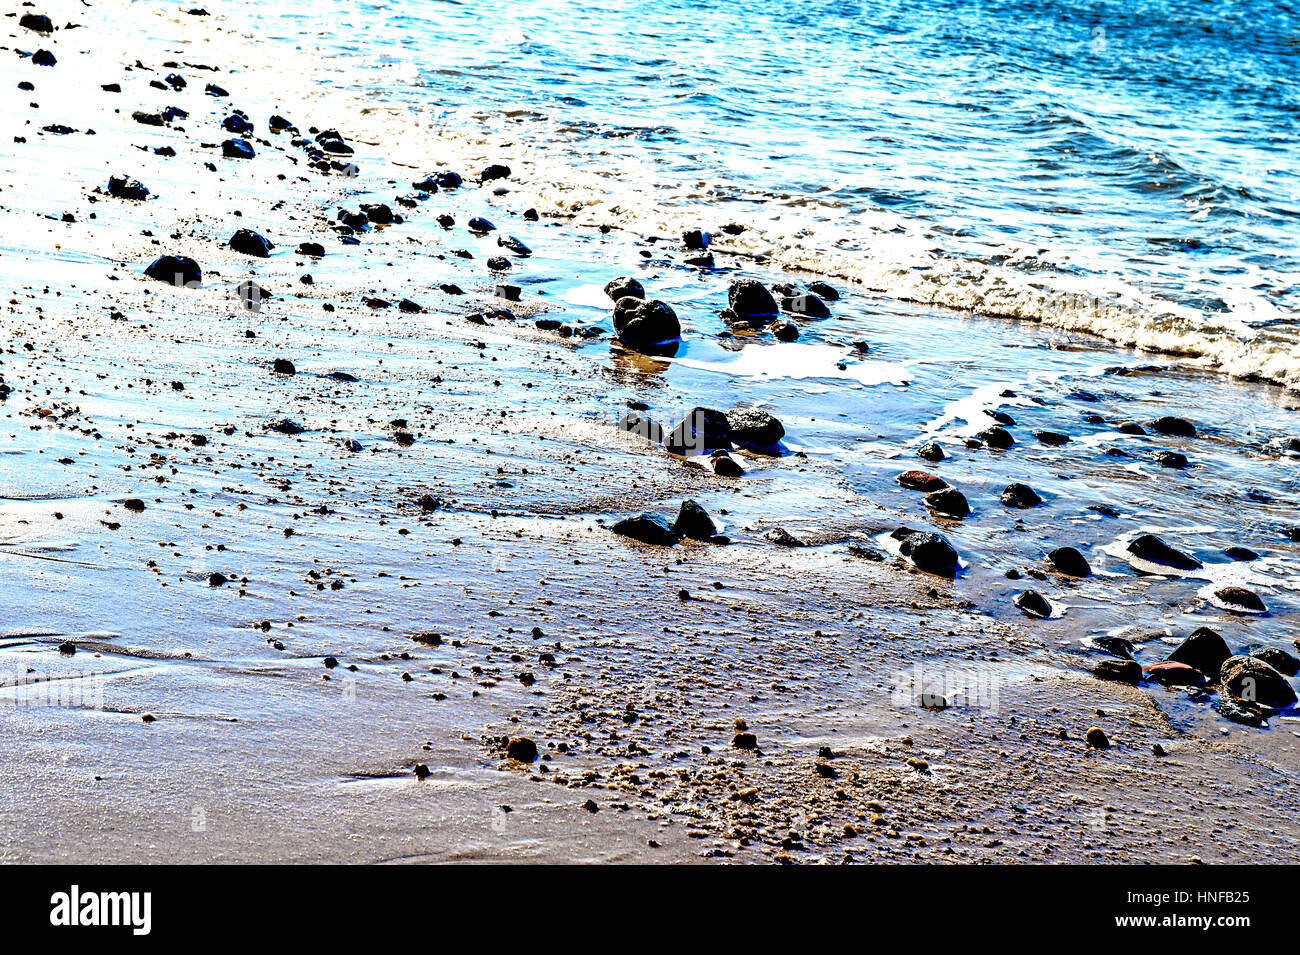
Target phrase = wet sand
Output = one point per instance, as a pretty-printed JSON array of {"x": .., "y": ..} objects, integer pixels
[{"x": 267, "y": 603}]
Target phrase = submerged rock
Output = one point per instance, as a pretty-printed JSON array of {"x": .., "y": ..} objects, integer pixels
[
  {"x": 1052, "y": 438},
  {"x": 997, "y": 438},
  {"x": 178, "y": 270},
  {"x": 1254, "y": 681},
  {"x": 783, "y": 538},
  {"x": 1179, "y": 427},
  {"x": 648, "y": 529},
  {"x": 1020, "y": 496},
  {"x": 1153, "y": 550},
  {"x": 930, "y": 451},
  {"x": 1203, "y": 649},
  {"x": 1070, "y": 562},
  {"x": 948, "y": 502},
  {"x": 1234, "y": 711},
  {"x": 805, "y": 305}
]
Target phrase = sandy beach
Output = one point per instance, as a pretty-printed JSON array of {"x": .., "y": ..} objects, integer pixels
[{"x": 322, "y": 568}]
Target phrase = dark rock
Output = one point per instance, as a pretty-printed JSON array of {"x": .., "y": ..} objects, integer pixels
[
  {"x": 251, "y": 295},
  {"x": 1117, "y": 646},
  {"x": 783, "y": 538},
  {"x": 805, "y": 304},
  {"x": 1169, "y": 459},
  {"x": 915, "y": 480},
  {"x": 1120, "y": 671},
  {"x": 1179, "y": 427},
  {"x": 176, "y": 270},
  {"x": 931, "y": 700},
  {"x": 693, "y": 521},
  {"x": 700, "y": 432},
  {"x": 784, "y": 331},
  {"x": 237, "y": 124},
  {"x": 237, "y": 149},
  {"x": 212, "y": 89},
  {"x": 754, "y": 428},
  {"x": 948, "y": 502},
  {"x": 1203, "y": 649},
  {"x": 522, "y": 749},
  {"x": 748, "y": 300},
  {"x": 648, "y": 529},
  {"x": 1254, "y": 681},
  {"x": 1239, "y": 600},
  {"x": 43, "y": 58},
  {"x": 1130, "y": 427},
  {"x": 695, "y": 239},
  {"x": 123, "y": 187},
  {"x": 1070, "y": 562},
  {"x": 931, "y": 553},
  {"x": 745, "y": 741},
  {"x": 511, "y": 244},
  {"x": 480, "y": 225},
  {"x": 1281, "y": 661},
  {"x": 1033, "y": 604},
  {"x": 827, "y": 292},
  {"x": 378, "y": 212},
  {"x": 863, "y": 552},
  {"x": 248, "y": 242},
  {"x": 622, "y": 288},
  {"x": 1052, "y": 438},
  {"x": 428, "y": 503},
  {"x": 1153, "y": 550},
  {"x": 36, "y": 22},
  {"x": 498, "y": 263},
  {"x": 283, "y": 366},
  {"x": 1020, "y": 496},
  {"x": 724, "y": 465},
  {"x": 931, "y": 452},
  {"x": 997, "y": 438},
  {"x": 285, "y": 426},
  {"x": 1241, "y": 553},
  {"x": 1096, "y": 738},
  {"x": 633, "y": 423},
  {"x": 133, "y": 504},
  {"x": 1001, "y": 417},
  {"x": 314, "y": 249},
  {"x": 1239, "y": 714},
  {"x": 495, "y": 171},
  {"x": 645, "y": 325}
]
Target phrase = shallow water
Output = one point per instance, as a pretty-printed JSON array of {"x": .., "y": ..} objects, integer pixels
[{"x": 1126, "y": 169}]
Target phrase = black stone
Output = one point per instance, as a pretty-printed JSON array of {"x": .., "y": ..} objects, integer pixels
[
  {"x": 805, "y": 304},
  {"x": 1120, "y": 671},
  {"x": 748, "y": 299},
  {"x": 1153, "y": 550},
  {"x": 237, "y": 149},
  {"x": 648, "y": 529},
  {"x": 311, "y": 248},
  {"x": 622, "y": 288},
  {"x": 1070, "y": 562},
  {"x": 1020, "y": 496},
  {"x": 948, "y": 502},
  {"x": 645, "y": 325},
  {"x": 931, "y": 553},
  {"x": 693, "y": 521},
  {"x": 248, "y": 242},
  {"x": 1203, "y": 649},
  {"x": 997, "y": 438},
  {"x": 123, "y": 188},
  {"x": 1281, "y": 661},
  {"x": 1254, "y": 681},
  {"x": 176, "y": 270},
  {"x": 754, "y": 428},
  {"x": 1033, "y": 604},
  {"x": 701, "y": 431},
  {"x": 1179, "y": 427}
]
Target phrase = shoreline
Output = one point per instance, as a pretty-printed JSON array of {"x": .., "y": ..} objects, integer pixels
[{"x": 260, "y": 750}]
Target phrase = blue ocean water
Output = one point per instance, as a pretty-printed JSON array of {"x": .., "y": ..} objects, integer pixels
[{"x": 1146, "y": 147}]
